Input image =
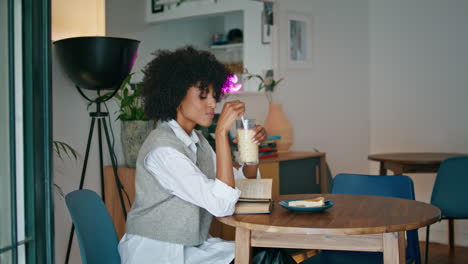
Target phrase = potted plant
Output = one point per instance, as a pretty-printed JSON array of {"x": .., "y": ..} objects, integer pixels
[
  {"x": 276, "y": 122},
  {"x": 135, "y": 125},
  {"x": 266, "y": 83}
]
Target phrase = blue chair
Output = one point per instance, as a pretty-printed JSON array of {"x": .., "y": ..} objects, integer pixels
[
  {"x": 94, "y": 229},
  {"x": 390, "y": 186},
  {"x": 450, "y": 194}
]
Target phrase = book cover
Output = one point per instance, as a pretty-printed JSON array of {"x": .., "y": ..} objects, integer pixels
[
  {"x": 267, "y": 144},
  {"x": 266, "y": 153},
  {"x": 266, "y": 149},
  {"x": 268, "y": 156},
  {"x": 253, "y": 208}
]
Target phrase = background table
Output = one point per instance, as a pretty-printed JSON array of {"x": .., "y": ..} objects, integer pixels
[
  {"x": 415, "y": 162},
  {"x": 411, "y": 162},
  {"x": 355, "y": 222}
]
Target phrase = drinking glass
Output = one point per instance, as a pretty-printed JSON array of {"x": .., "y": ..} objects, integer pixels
[{"x": 248, "y": 149}]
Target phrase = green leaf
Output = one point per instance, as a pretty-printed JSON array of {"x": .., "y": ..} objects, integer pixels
[
  {"x": 60, "y": 146},
  {"x": 260, "y": 86}
]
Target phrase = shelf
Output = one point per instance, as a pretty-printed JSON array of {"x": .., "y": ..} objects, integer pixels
[
  {"x": 227, "y": 46},
  {"x": 191, "y": 9}
]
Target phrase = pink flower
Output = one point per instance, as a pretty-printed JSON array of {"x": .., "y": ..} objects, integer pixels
[{"x": 231, "y": 85}]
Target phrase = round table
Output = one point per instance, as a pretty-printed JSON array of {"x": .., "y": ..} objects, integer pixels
[
  {"x": 411, "y": 162},
  {"x": 355, "y": 222}
]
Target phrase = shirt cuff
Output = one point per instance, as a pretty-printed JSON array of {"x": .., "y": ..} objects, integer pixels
[{"x": 229, "y": 194}]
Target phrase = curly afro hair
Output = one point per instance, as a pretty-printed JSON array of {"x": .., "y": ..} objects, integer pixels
[{"x": 171, "y": 73}]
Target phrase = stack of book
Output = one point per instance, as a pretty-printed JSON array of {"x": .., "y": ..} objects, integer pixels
[
  {"x": 255, "y": 197},
  {"x": 268, "y": 149}
]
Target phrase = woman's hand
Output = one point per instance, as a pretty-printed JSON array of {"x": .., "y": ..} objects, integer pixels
[
  {"x": 231, "y": 111},
  {"x": 260, "y": 134}
]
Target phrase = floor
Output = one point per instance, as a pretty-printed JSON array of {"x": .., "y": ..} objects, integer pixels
[{"x": 438, "y": 254}]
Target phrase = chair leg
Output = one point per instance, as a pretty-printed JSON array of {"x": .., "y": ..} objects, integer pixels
[
  {"x": 451, "y": 238},
  {"x": 426, "y": 258}
]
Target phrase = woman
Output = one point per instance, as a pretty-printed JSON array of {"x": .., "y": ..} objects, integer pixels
[{"x": 180, "y": 182}]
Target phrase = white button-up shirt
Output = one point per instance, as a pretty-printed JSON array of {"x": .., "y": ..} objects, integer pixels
[{"x": 181, "y": 177}]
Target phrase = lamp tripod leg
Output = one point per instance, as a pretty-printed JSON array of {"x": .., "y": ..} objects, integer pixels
[
  {"x": 83, "y": 173},
  {"x": 101, "y": 167},
  {"x": 116, "y": 176}
]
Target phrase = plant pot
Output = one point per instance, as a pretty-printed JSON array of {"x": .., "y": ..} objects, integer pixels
[
  {"x": 277, "y": 124},
  {"x": 132, "y": 135}
]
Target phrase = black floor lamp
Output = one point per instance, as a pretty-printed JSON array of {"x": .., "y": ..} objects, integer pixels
[{"x": 97, "y": 63}]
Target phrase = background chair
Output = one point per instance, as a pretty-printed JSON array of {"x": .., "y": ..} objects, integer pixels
[
  {"x": 450, "y": 194},
  {"x": 94, "y": 229},
  {"x": 390, "y": 186}
]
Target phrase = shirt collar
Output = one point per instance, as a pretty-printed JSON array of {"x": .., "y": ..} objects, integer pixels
[{"x": 182, "y": 135}]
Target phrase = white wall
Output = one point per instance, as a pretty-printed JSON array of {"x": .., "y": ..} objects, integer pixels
[
  {"x": 419, "y": 85},
  {"x": 328, "y": 104}
]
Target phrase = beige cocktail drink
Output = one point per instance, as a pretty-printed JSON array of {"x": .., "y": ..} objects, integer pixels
[{"x": 248, "y": 149}]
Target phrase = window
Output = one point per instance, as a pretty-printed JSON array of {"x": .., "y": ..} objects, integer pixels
[{"x": 26, "y": 217}]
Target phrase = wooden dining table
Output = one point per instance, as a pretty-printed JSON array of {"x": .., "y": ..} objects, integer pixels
[
  {"x": 411, "y": 162},
  {"x": 355, "y": 222}
]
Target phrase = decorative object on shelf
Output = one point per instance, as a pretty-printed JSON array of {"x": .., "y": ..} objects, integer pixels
[
  {"x": 218, "y": 39},
  {"x": 156, "y": 7},
  {"x": 266, "y": 83},
  {"x": 276, "y": 122},
  {"x": 97, "y": 64},
  {"x": 267, "y": 22},
  {"x": 235, "y": 35}
]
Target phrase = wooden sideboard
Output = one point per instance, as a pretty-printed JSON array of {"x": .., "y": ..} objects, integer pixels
[{"x": 292, "y": 173}]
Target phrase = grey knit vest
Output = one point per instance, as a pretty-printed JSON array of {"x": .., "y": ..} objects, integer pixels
[{"x": 156, "y": 213}]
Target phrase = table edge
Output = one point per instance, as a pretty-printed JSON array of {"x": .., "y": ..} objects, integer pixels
[{"x": 328, "y": 231}]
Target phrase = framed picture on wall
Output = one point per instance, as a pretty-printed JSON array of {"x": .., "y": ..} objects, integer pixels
[
  {"x": 299, "y": 41},
  {"x": 156, "y": 7}
]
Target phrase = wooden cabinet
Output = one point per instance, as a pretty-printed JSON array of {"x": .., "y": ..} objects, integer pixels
[
  {"x": 292, "y": 173},
  {"x": 112, "y": 200},
  {"x": 296, "y": 172}
]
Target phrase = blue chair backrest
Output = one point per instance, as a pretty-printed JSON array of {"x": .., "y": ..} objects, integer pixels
[
  {"x": 450, "y": 192},
  {"x": 93, "y": 226},
  {"x": 398, "y": 186}
]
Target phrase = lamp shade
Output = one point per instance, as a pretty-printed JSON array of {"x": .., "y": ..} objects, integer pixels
[{"x": 97, "y": 63}]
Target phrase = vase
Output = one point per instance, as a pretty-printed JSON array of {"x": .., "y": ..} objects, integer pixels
[
  {"x": 132, "y": 135},
  {"x": 277, "y": 124}
]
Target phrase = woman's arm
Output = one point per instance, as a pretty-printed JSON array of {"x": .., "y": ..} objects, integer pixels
[
  {"x": 250, "y": 171},
  {"x": 231, "y": 111},
  {"x": 181, "y": 177}
]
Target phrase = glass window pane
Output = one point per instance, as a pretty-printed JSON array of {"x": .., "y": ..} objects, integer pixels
[{"x": 5, "y": 192}]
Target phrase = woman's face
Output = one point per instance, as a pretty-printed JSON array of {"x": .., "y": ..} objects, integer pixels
[{"x": 197, "y": 107}]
